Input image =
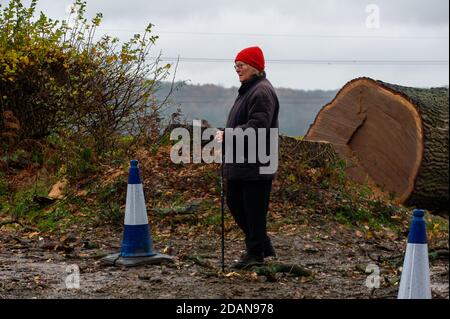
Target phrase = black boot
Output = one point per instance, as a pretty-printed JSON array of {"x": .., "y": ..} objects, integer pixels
[
  {"x": 248, "y": 260},
  {"x": 269, "y": 251}
]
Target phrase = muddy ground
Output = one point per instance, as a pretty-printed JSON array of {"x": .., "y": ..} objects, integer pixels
[{"x": 32, "y": 266}]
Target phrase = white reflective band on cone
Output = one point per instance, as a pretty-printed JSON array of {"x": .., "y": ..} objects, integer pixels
[
  {"x": 135, "y": 211},
  {"x": 415, "y": 280}
]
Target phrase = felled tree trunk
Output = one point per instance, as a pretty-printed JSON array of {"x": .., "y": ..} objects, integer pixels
[{"x": 394, "y": 136}]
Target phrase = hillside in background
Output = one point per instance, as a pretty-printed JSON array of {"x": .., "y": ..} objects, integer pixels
[{"x": 298, "y": 108}]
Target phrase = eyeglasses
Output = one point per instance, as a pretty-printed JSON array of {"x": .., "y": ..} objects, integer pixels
[{"x": 238, "y": 66}]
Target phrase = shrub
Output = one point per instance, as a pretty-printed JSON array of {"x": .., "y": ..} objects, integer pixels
[{"x": 54, "y": 75}]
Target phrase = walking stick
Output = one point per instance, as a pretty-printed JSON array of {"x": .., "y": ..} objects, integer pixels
[{"x": 222, "y": 212}]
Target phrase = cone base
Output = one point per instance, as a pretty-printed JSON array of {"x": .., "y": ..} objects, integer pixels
[{"x": 116, "y": 259}]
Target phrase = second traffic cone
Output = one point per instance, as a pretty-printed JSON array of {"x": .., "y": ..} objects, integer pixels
[
  {"x": 415, "y": 279},
  {"x": 137, "y": 243}
]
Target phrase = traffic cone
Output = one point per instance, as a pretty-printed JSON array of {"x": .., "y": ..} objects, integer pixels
[
  {"x": 137, "y": 243},
  {"x": 415, "y": 280}
]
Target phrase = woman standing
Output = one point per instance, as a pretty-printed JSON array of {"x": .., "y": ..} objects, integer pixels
[{"x": 248, "y": 191}]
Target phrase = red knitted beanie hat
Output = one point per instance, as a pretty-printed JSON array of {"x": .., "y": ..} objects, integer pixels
[{"x": 252, "y": 56}]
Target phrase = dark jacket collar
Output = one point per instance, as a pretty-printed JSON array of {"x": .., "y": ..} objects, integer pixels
[{"x": 250, "y": 83}]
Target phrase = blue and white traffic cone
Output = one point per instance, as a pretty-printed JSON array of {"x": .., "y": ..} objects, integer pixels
[
  {"x": 137, "y": 243},
  {"x": 415, "y": 280},
  {"x": 137, "y": 240}
]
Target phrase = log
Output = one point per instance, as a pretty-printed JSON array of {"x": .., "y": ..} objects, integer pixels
[
  {"x": 275, "y": 267},
  {"x": 396, "y": 137}
]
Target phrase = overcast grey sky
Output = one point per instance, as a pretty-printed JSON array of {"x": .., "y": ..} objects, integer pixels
[{"x": 292, "y": 34}]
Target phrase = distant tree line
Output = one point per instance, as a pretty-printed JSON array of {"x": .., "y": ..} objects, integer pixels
[{"x": 298, "y": 108}]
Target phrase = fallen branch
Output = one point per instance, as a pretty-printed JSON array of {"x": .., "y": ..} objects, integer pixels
[
  {"x": 13, "y": 221},
  {"x": 199, "y": 261},
  {"x": 291, "y": 269},
  {"x": 438, "y": 254},
  {"x": 188, "y": 209},
  {"x": 9, "y": 222}
]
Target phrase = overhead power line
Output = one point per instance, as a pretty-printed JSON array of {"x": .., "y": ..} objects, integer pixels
[
  {"x": 291, "y": 35},
  {"x": 314, "y": 61}
]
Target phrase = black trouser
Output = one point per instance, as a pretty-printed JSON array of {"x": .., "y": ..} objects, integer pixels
[{"x": 248, "y": 202}]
